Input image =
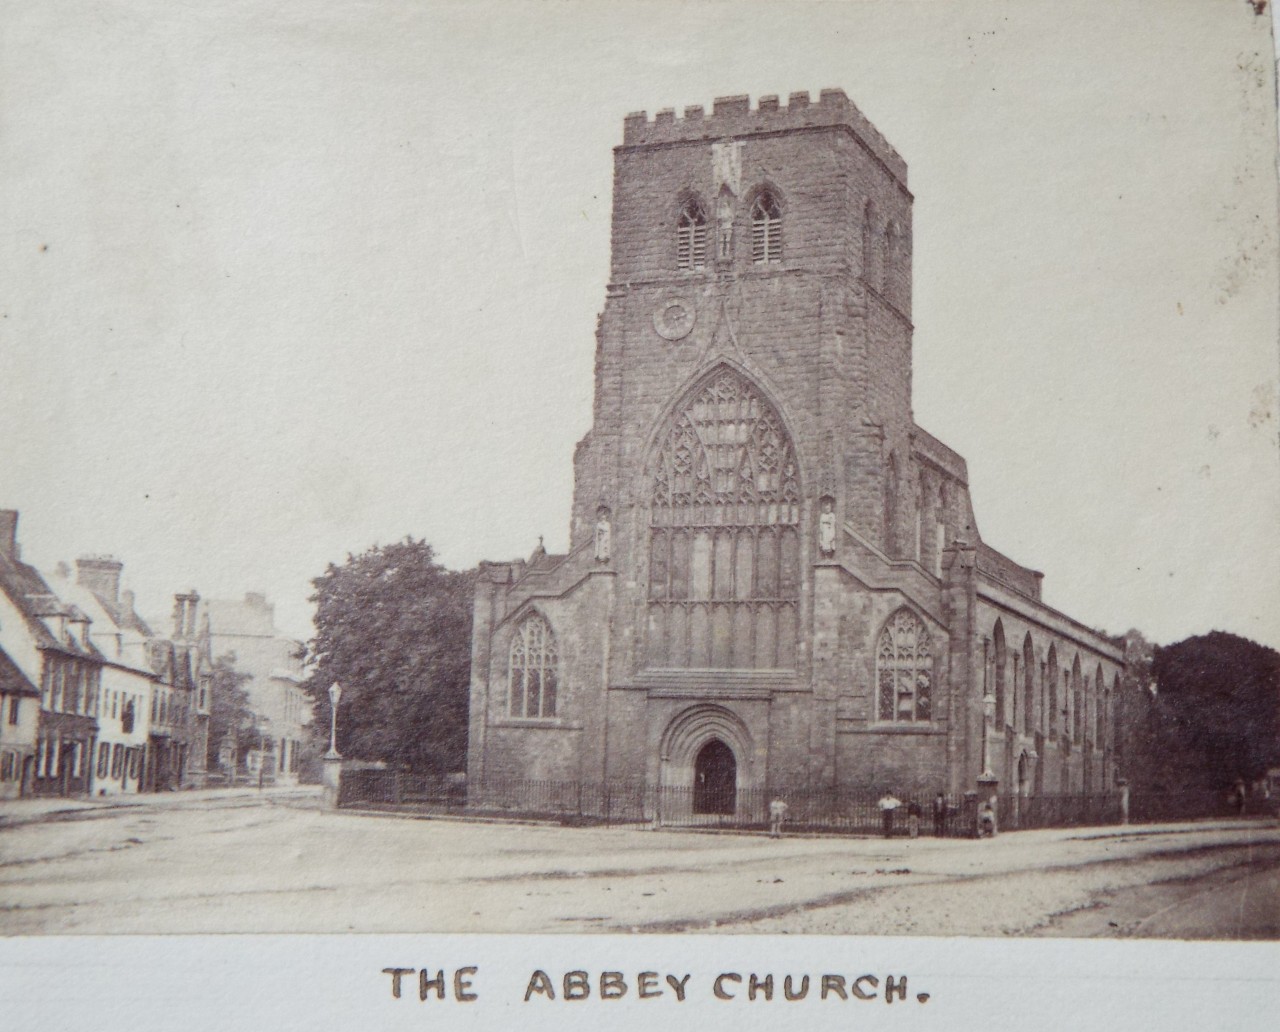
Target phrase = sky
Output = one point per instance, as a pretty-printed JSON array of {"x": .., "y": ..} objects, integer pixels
[{"x": 280, "y": 281}]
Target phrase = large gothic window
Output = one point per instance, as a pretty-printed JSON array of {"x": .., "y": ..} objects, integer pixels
[
  {"x": 724, "y": 546},
  {"x": 534, "y": 669},
  {"x": 691, "y": 237},
  {"x": 904, "y": 670}
]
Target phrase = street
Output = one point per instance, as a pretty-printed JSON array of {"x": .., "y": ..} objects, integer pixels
[{"x": 243, "y": 861}]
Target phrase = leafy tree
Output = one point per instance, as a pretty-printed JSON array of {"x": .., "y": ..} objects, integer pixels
[
  {"x": 393, "y": 628},
  {"x": 1219, "y": 700},
  {"x": 229, "y": 715}
]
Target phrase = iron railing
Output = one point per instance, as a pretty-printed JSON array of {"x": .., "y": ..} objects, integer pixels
[{"x": 809, "y": 810}]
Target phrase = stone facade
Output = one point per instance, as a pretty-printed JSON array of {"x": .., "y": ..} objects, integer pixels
[
  {"x": 281, "y": 710},
  {"x": 766, "y": 551}
]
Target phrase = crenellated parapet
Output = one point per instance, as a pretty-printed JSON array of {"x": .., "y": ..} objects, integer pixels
[{"x": 734, "y": 116}]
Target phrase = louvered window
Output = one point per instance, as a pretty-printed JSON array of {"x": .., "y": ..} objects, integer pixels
[
  {"x": 766, "y": 230},
  {"x": 691, "y": 238}
]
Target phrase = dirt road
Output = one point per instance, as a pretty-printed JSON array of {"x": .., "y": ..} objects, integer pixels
[{"x": 242, "y": 862}]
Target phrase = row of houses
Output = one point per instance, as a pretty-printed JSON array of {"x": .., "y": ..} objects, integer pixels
[{"x": 97, "y": 700}]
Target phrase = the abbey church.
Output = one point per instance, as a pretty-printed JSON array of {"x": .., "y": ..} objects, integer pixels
[{"x": 775, "y": 578}]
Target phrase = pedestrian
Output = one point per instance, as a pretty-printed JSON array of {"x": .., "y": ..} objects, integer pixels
[
  {"x": 777, "y": 814},
  {"x": 986, "y": 820},
  {"x": 888, "y": 804},
  {"x": 913, "y": 819},
  {"x": 940, "y": 815},
  {"x": 1238, "y": 796}
]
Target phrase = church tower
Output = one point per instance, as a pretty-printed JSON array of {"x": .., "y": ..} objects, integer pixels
[{"x": 773, "y": 571}]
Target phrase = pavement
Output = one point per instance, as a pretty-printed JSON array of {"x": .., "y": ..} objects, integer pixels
[{"x": 244, "y": 860}]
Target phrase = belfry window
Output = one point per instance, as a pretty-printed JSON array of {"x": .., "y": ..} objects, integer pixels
[
  {"x": 766, "y": 230},
  {"x": 724, "y": 545},
  {"x": 534, "y": 669},
  {"x": 691, "y": 238},
  {"x": 904, "y": 670}
]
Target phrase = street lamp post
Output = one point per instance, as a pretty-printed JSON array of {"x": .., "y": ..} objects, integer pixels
[{"x": 335, "y": 694}]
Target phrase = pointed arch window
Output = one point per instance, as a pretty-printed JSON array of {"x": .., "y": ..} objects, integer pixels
[
  {"x": 724, "y": 544},
  {"x": 892, "y": 257},
  {"x": 1099, "y": 696},
  {"x": 1076, "y": 703},
  {"x": 904, "y": 670},
  {"x": 535, "y": 674},
  {"x": 766, "y": 230},
  {"x": 1001, "y": 658},
  {"x": 1029, "y": 689},
  {"x": 1052, "y": 706},
  {"x": 691, "y": 237}
]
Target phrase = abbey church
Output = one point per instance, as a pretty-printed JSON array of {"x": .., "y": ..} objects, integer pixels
[{"x": 775, "y": 578}]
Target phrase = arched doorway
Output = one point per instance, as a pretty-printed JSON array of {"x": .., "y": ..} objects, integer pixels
[{"x": 715, "y": 779}]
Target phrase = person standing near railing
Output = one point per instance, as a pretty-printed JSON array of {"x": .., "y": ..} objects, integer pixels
[
  {"x": 888, "y": 804},
  {"x": 777, "y": 815},
  {"x": 940, "y": 815},
  {"x": 913, "y": 819}
]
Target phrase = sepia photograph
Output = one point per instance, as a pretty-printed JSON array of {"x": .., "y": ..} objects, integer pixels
[{"x": 772, "y": 468}]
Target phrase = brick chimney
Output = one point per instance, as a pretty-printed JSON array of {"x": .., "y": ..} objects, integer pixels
[
  {"x": 193, "y": 600},
  {"x": 9, "y": 533},
  {"x": 179, "y": 615},
  {"x": 101, "y": 575}
]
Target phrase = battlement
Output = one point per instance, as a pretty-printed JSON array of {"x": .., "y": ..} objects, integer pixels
[{"x": 734, "y": 116}]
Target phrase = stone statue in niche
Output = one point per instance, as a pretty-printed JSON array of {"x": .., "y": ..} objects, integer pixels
[
  {"x": 604, "y": 534},
  {"x": 827, "y": 527},
  {"x": 724, "y": 225}
]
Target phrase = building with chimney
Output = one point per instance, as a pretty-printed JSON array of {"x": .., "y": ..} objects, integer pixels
[
  {"x": 775, "y": 577},
  {"x": 189, "y": 658},
  {"x": 121, "y": 636},
  {"x": 49, "y": 643}
]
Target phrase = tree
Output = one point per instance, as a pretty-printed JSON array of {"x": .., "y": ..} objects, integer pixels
[
  {"x": 230, "y": 718},
  {"x": 1219, "y": 695},
  {"x": 393, "y": 628}
]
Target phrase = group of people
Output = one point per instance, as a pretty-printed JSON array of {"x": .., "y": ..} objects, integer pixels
[{"x": 943, "y": 814}]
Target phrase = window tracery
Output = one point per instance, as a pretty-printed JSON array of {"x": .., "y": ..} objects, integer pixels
[
  {"x": 904, "y": 670},
  {"x": 724, "y": 546},
  {"x": 534, "y": 669}
]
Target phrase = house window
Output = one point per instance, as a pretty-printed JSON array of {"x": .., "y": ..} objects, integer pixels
[
  {"x": 104, "y": 758},
  {"x": 534, "y": 669},
  {"x": 691, "y": 237},
  {"x": 724, "y": 544},
  {"x": 904, "y": 670},
  {"x": 14, "y": 703},
  {"x": 766, "y": 230},
  {"x": 117, "y": 761},
  {"x": 8, "y": 765}
]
